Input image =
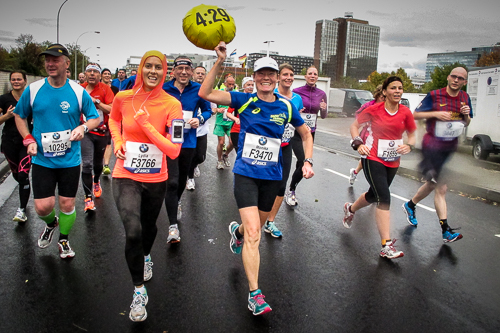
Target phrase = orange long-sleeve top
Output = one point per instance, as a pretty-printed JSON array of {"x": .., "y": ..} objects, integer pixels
[{"x": 126, "y": 124}]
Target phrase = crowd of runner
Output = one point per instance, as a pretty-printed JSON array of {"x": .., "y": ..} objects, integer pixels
[{"x": 62, "y": 130}]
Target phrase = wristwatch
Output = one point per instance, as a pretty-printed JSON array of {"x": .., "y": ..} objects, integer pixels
[
  {"x": 309, "y": 160},
  {"x": 85, "y": 128},
  {"x": 412, "y": 147},
  {"x": 97, "y": 101}
]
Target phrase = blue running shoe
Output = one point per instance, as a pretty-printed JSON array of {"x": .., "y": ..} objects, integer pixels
[
  {"x": 450, "y": 236},
  {"x": 411, "y": 216},
  {"x": 272, "y": 229},
  {"x": 235, "y": 244},
  {"x": 256, "y": 303}
]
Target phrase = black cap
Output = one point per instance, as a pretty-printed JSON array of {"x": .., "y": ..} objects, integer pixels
[{"x": 56, "y": 50}]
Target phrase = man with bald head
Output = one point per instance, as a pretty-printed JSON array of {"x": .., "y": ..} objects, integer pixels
[{"x": 447, "y": 111}]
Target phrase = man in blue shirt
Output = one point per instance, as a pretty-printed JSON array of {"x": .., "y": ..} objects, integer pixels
[
  {"x": 56, "y": 104},
  {"x": 121, "y": 82},
  {"x": 195, "y": 112}
]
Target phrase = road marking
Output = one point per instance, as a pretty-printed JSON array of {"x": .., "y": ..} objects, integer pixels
[
  {"x": 497, "y": 235},
  {"x": 392, "y": 194}
]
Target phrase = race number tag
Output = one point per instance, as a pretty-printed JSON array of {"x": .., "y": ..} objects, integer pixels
[
  {"x": 448, "y": 130},
  {"x": 387, "y": 149},
  {"x": 187, "y": 116},
  {"x": 260, "y": 150},
  {"x": 56, "y": 143},
  {"x": 288, "y": 133},
  {"x": 310, "y": 119},
  {"x": 142, "y": 158}
]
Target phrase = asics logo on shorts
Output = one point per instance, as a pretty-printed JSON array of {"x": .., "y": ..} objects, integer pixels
[{"x": 65, "y": 106}]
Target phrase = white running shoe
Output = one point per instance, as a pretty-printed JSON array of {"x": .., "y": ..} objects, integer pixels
[
  {"x": 20, "y": 216},
  {"x": 291, "y": 199},
  {"x": 352, "y": 176},
  {"x": 348, "y": 216},
  {"x": 225, "y": 158},
  {"x": 220, "y": 165},
  {"x": 179, "y": 211},
  {"x": 197, "y": 172},
  {"x": 389, "y": 251},
  {"x": 190, "y": 184},
  {"x": 65, "y": 250},
  {"x": 173, "y": 234},
  {"x": 138, "y": 307}
]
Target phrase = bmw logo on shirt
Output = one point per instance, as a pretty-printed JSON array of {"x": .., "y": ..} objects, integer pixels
[
  {"x": 56, "y": 136},
  {"x": 144, "y": 148},
  {"x": 391, "y": 144},
  {"x": 262, "y": 141}
]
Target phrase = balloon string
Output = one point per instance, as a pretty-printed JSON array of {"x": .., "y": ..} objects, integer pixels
[{"x": 222, "y": 75}]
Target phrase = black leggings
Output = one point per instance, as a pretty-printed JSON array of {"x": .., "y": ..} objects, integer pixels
[
  {"x": 176, "y": 183},
  {"x": 298, "y": 150},
  {"x": 234, "y": 140},
  {"x": 380, "y": 178},
  {"x": 139, "y": 205},
  {"x": 93, "y": 147},
  {"x": 20, "y": 165},
  {"x": 199, "y": 155},
  {"x": 286, "y": 153}
]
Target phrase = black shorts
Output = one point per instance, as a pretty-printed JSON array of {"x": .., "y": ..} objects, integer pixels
[
  {"x": 45, "y": 180},
  {"x": 433, "y": 162},
  {"x": 250, "y": 192}
]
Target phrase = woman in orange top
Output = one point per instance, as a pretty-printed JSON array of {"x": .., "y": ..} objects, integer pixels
[{"x": 139, "y": 122}]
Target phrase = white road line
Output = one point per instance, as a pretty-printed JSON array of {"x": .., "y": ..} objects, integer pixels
[
  {"x": 497, "y": 235},
  {"x": 392, "y": 194}
]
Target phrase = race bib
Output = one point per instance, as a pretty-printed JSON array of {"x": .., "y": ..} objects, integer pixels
[
  {"x": 142, "y": 158},
  {"x": 288, "y": 133},
  {"x": 56, "y": 143},
  {"x": 260, "y": 150},
  {"x": 387, "y": 149},
  {"x": 187, "y": 116},
  {"x": 448, "y": 130},
  {"x": 309, "y": 119},
  {"x": 101, "y": 117}
]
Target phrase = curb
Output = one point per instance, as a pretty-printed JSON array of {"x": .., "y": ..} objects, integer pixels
[{"x": 4, "y": 168}]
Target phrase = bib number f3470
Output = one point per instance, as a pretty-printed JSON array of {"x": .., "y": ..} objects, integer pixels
[
  {"x": 142, "y": 158},
  {"x": 260, "y": 150}
]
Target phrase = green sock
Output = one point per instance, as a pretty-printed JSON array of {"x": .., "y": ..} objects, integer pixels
[
  {"x": 49, "y": 219},
  {"x": 66, "y": 221}
]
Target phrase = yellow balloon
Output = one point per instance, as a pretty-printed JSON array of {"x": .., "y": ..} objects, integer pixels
[{"x": 205, "y": 26}]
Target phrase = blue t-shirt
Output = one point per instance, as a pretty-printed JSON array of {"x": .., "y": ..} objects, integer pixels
[
  {"x": 190, "y": 102},
  {"x": 56, "y": 112},
  {"x": 121, "y": 85},
  {"x": 262, "y": 125}
]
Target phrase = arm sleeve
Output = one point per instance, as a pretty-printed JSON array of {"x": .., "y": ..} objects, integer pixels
[
  {"x": 172, "y": 150},
  {"x": 425, "y": 105}
]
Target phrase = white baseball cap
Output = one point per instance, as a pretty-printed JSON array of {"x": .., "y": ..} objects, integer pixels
[
  {"x": 245, "y": 80},
  {"x": 265, "y": 62}
]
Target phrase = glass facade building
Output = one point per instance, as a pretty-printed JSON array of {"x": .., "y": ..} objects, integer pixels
[{"x": 346, "y": 47}]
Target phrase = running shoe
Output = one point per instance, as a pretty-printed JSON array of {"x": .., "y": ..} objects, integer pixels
[
  {"x": 65, "y": 250},
  {"x": 148, "y": 268},
  {"x": 138, "y": 307},
  {"x": 235, "y": 244},
  {"x": 97, "y": 190},
  {"x": 197, "y": 172},
  {"x": 389, "y": 251},
  {"x": 411, "y": 215},
  {"x": 46, "y": 236},
  {"x": 290, "y": 198},
  {"x": 352, "y": 176},
  {"x": 190, "y": 185},
  {"x": 179, "y": 211},
  {"x": 225, "y": 159},
  {"x": 220, "y": 165},
  {"x": 173, "y": 234},
  {"x": 272, "y": 229},
  {"x": 106, "y": 170},
  {"x": 450, "y": 236},
  {"x": 348, "y": 216},
  {"x": 20, "y": 216},
  {"x": 89, "y": 205},
  {"x": 256, "y": 303}
]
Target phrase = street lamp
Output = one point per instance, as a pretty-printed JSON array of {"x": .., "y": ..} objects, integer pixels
[
  {"x": 83, "y": 53},
  {"x": 268, "y": 42},
  {"x": 76, "y": 46},
  {"x": 58, "y": 20}
]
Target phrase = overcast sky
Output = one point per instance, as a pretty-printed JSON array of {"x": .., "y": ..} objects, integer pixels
[{"x": 409, "y": 30}]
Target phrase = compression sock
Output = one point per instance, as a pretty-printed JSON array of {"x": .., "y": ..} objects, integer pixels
[
  {"x": 444, "y": 225},
  {"x": 411, "y": 204},
  {"x": 50, "y": 219},
  {"x": 66, "y": 221}
]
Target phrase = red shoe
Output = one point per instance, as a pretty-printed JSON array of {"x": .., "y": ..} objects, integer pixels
[
  {"x": 89, "y": 205},
  {"x": 97, "y": 190}
]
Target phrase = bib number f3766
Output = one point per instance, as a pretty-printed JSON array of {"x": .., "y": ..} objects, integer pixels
[{"x": 142, "y": 158}]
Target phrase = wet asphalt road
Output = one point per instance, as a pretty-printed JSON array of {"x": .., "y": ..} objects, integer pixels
[{"x": 320, "y": 277}]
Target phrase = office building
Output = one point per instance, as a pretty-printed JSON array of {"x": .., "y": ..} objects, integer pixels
[{"x": 346, "y": 46}]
